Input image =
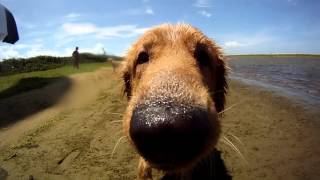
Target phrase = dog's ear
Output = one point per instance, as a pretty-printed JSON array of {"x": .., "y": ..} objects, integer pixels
[
  {"x": 220, "y": 76},
  {"x": 221, "y": 84},
  {"x": 126, "y": 77},
  {"x": 127, "y": 84},
  {"x": 209, "y": 55}
]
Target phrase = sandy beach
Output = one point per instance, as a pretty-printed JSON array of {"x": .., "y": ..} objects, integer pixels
[{"x": 278, "y": 138}]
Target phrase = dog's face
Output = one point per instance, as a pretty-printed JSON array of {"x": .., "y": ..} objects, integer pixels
[{"x": 174, "y": 79}]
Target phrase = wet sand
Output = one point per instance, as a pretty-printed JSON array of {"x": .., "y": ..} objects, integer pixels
[{"x": 278, "y": 137}]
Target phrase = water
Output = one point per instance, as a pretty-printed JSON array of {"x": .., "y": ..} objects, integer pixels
[{"x": 297, "y": 77}]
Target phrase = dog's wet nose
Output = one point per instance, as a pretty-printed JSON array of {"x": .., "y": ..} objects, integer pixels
[{"x": 169, "y": 133}]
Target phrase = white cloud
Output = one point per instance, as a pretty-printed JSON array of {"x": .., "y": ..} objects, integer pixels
[
  {"x": 149, "y": 11},
  {"x": 29, "y": 25},
  {"x": 17, "y": 46},
  {"x": 38, "y": 49},
  {"x": 32, "y": 50},
  {"x": 96, "y": 49},
  {"x": 231, "y": 44},
  {"x": 205, "y": 14},
  {"x": 15, "y": 51},
  {"x": 69, "y": 35},
  {"x": 71, "y": 16},
  {"x": 120, "y": 31},
  {"x": 28, "y": 50},
  {"x": 247, "y": 43},
  {"x": 64, "y": 35},
  {"x": 78, "y": 29},
  {"x": 46, "y": 52},
  {"x": 202, "y": 3},
  {"x": 8, "y": 51}
]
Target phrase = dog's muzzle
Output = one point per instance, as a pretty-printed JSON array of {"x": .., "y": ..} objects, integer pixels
[{"x": 168, "y": 133}]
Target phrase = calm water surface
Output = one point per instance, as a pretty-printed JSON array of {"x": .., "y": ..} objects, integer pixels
[{"x": 296, "y": 77}]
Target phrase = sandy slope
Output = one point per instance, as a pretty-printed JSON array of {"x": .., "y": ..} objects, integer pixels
[
  {"x": 84, "y": 88},
  {"x": 75, "y": 138}
]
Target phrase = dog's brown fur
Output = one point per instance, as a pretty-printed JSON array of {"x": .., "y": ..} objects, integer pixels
[{"x": 179, "y": 59}]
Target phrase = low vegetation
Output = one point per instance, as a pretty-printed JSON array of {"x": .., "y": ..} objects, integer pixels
[
  {"x": 42, "y": 63},
  {"x": 14, "y": 84}
]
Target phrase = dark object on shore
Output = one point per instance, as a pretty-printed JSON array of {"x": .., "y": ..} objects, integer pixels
[
  {"x": 76, "y": 58},
  {"x": 8, "y": 27},
  {"x": 211, "y": 168}
]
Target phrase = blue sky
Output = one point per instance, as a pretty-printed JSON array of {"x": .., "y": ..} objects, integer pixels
[{"x": 55, "y": 27}]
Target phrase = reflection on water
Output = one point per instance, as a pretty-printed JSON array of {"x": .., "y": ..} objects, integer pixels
[{"x": 298, "y": 76}]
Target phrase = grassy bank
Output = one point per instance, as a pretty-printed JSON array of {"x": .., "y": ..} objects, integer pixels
[
  {"x": 17, "y": 83},
  {"x": 41, "y": 63}
]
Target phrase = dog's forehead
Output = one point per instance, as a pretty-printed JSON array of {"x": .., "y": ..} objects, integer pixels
[
  {"x": 175, "y": 32},
  {"x": 170, "y": 34}
]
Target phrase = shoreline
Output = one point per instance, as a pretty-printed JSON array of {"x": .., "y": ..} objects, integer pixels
[
  {"x": 278, "y": 137},
  {"x": 305, "y": 99},
  {"x": 274, "y": 56}
]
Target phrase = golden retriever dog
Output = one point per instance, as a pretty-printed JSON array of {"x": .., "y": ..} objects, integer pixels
[
  {"x": 115, "y": 64},
  {"x": 175, "y": 80}
]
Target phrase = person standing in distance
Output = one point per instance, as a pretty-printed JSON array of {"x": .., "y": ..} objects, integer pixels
[{"x": 76, "y": 58}]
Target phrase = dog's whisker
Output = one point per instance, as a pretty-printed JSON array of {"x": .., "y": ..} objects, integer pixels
[
  {"x": 120, "y": 114},
  {"x": 228, "y": 142},
  {"x": 116, "y": 121},
  {"x": 236, "y": 138},
  {"x": 118, "y": 133},
  {"x": 228, "y": 108},
  {"x": 229, "y": 68},
  {"x": 116, "y": 145},
  {"x": 227, "y": 125}
]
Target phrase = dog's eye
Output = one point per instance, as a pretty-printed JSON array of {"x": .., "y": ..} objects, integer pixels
[
  {"x": 202, "y": 55},
  {"x": 143, "y": 57}
]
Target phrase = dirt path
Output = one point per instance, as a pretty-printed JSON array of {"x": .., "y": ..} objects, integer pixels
[{"x": 72, "y": 139}]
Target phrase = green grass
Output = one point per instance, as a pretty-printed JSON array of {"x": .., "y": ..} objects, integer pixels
[{"x": 17, "y": 83}]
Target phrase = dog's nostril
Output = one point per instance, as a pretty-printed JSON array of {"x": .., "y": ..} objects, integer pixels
[{"x": 172, "y": 134}]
